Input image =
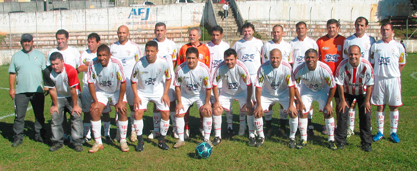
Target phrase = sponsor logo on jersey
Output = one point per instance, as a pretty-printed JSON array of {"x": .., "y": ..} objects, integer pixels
[
  {"x": 135, "y": 73},
  {"x": 84, "y": 60},
  {"x": 275, "y": 86},
  {"x": 233, "y": 86},
  {"x": 248, "y": 57},
  {"x": 298, "y": 80},
  {"x": 167, "y": 73},
  {"x": 174, "y": 55},
  {"x": 218, "y": 78},
  {"x": 94, "y": 76},
  {"x": 215, "y": 63},
  {"x": 325, "y": 48},
  {"x": 345, "y": 52},
  {"x": 329, "y": 81},
  {"x": 207, "y": 60},
  {"x": 299, "y": 59},
  {"x": 266, "y": 57},
  {"x": 179, "y": 79},
  {"x": 288, "y": 79},
  {"x": 150, "y": 81},
  {"x": 200, "y": 56},
  {"x": 244, "y": 77},
  {"x": 105, "y": 84},
  {"x": 261, "y": 79},
  {"x": 339, "y": 47},
  {"x": 136, "y": 57},
  {"x": 119, "y": 77},
  {"x": 402, "y": 58},
  {"x": 192, "y": 87},
  {"x": 331, "y": 57},
  {"x": 206, "y": 81},
  {"x": 384, "y": 60},
  {"x": 289, "y": 57},
  {"x": 312, "y": 86}
]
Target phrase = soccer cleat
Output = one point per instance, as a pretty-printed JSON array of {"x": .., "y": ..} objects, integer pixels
[
  {"x": 55, "y": 147},
  {"x": 96, "y": 147},
  {"x": 394, "y": 137},
  {"x": 123, "y": 146},
  {"x": 187, "y": 134},
  {"x": 108, "y": 139},
  {"x": 332, "y": 145},
  {"x": 139, "y": 147},
  {"x": 179, "y": 144},
  {"x": 17, "y": 142},
  {"x": 366, "y": 147},
  {"x": 153, "y": 135},
  {"x": 242, "y": 130},
  {"x": 87, "y": 139},
  {"x": 78, "y": 148},
  {"x": 163, "y": 145},
  {"x": 350, "y": 133},
  {"x": 230, "y": 131},
  {"x": 302, "y": 144},
  {"x": 252, "y": 141},
  {"x": 117, "y": 139},
  {"x": 174, "y": 133},
  {"x": 133, "y": 136},
  {"x": 260, "y": 141},
  {"x": 217, "y": 140},
  {"x": 209, "y": 142},
  {"x": 378, "y": 136},
  {"x": 282, "y": 133},
  {"x": 341, "y": 146},
  {"x": 292, "y": 143},
  {"x": 202, "y": 132},
  {"x": 269, "y": 133}
]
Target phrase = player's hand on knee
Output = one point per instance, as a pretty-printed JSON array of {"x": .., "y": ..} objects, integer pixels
[
  {"x": 258, "y": 111},
  {"x": 207, "y": 108},
  {"x": 292, "y": 110},
  {"x": 53, "y": 109},
  {"x": 77, "y": 109},
  {"x": 178, "y": 108},
  {"x": 342, "y": 105},
  {"x": 165, "y": 100},
  {"x": 121, "y": 108},
  {"x": 328, "y": 110}
]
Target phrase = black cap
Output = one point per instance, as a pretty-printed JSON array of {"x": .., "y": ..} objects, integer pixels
[{"x": 26, "y": 36}]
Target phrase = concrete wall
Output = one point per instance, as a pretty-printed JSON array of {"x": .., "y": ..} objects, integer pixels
[{"x": 410, "y": 46}]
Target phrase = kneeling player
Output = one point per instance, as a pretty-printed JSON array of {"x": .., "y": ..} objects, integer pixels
[
  {"x": 192, "y": 84},
  {"x": 235, "y": 80},
  {"x": 106, "y": 80},
  {"x": 275, "y": 83},
  {"x": 148, "y": 85}
]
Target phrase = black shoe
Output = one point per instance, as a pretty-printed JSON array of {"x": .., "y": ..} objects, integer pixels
[
  {"x": 230, "y": 131},
  {"x": 163, "y": 145},
  {"x": 366, "y": 147},
  {"x": 78, "y": 148},
  {"x": 17, "y": 142},
  {"x": 108, "y": 140},
  {"x": 217, "y": 140},
  {"x": 341, "y": 146},
  {"x": 38, "y": 138},
  {"x": 292, "y": 143},
  {"x": 301, "y": 144},
  {"x": 140, "y": 146},
  {"x": 332, "y": 145},
  {"x": 55, "y": 147}
]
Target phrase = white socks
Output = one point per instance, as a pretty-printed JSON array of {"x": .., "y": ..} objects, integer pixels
[
  {"x": 217, "y": 120},
  {"x": 207, "y": 125},
  {"x": 138, "y": 127},
  {"x": 351, "y": 119},
  {"x": 303, "y": 122},
  {"x": 394, "y": 116},
  {"x": 123, "y": 129},
  {"x": 164, "y": 126},
  {"x": 293, "y": 127},
  {"x": 180, "y": 123},
  {"x": 330, "y": 128},
  {"x": 380, "y": 121},
  {"x": 259, "y": 123},
  {"x": 96, "y": 127}
]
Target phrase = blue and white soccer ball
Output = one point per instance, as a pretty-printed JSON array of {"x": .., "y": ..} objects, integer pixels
[{"x": 203, "y": 150}]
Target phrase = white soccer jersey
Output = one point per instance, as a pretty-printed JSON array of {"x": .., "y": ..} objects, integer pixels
[
  {"x": 62, "y": 81},
  {"x": 249, "y": 52},
  {"x": 283, "y": 46},
  {"x": 234, "y": 81},
  {"x": 354, "y": 79},
  {"x": 86, "y": 56},
  {"x": 386, "y": 58},
  {"x": 128, "y": 54},
  {"x": 168, "y": 50},
  {"x": 71, "y": 56},
  {"x": 299, "y": 49},
  {"x": 107, "y": 78},
  {"x": 216, "y": 54},
  {"x": 192, "y": 81},
  {"x": 274, "y": 81},
  {"x": 151, "y": 77},
  {"x": 365, "y": 43},
  {"x": 317, "y": 80}
]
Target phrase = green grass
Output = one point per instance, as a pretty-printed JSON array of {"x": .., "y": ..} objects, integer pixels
[{"x": 229, "y": 155}]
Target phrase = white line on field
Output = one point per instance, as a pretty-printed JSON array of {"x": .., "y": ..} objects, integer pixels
[
  {"x": 4, "y": 88},
  {"x": 13, "y": 114},
  {"x": 414, "y": 75}
]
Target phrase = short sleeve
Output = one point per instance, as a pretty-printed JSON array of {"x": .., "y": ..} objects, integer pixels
[
  {"x": 72, "y": 77},
  {"x": 260, "y": 78},
  {"x": 244, "y": 74},
  {"x": 345, "y": 49},
  {"x": 12, "y": 66},
  {"x": 135, "y": 72},
  {"x": 372, "y": 54},
  {"x": 339, "y": 76},
  {"x": 175, "y": 52},
  {"x": 91, "y": 77},
  {"x": 47, "y": 77},
  {"x": 402, "y": 59}
]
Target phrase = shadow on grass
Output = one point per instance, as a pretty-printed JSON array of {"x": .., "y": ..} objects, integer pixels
[{"x": 7, "y": 132}]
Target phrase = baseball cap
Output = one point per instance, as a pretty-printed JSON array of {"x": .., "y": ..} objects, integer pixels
[{"x": 26, "y": 36}]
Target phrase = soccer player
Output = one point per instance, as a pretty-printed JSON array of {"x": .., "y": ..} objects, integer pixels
[
  {"x": 331, "y": 51},
  {"x": 168, "y": 50},
  {"x": 276, "y": 43},
  {"x": 234, "y": 78},
  {"x": 217, "y": 48},
  {"x": 275, "y": 83},
  {"x": 299, "y": 46},
  {"x": 316, "y": 83},
  {"x": 192, "y": 84},
  {"x": 128, "y": 53},
  {"x": 352, "y": 76},
  {"x": 25, "y": 82},
  {"x": 249, "y": 52},
  {"x": 388, "y": 57},
  {"x": 70, "y": 54},
  {"x": 364, "y": 41},
  {"x": 86, "y": 57},
  {"x": 64, "y": 87},
  {"x": 148, "y": 85},
  {"x": 106, "y": 79}
]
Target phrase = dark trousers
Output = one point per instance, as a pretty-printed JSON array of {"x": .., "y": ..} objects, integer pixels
[
  {"x": 364, "y": 121},
  {"x": 226, "y": 13},
  {"x": 21, "y": 104}
]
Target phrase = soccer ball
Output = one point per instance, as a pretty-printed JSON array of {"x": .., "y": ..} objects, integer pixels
[{"x": 203, "y": 150}]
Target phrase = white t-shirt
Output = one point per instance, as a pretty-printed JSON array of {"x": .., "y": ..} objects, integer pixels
[
  {"x": 71, "y": 56},
  {"x": 128, "y": 54},
  {"x": 274, "y": 81},
  {"x": 249, "y": 52},
  {"x": 86, "y": 56},
  {"x": 150, "y": 78},
  {"x": 106, "y": 79},
  {"x": 317, "y": 80},
  {"x": 386, "y": 58},
  {"x": 168, "y": 50},
  {"x": 193, "y": 82},
  {"x": 283, "y": 46},
  {"x": 234, "y": 81},
  {"x": 299, "y": 49},
  {"x": 216, "y": 54},
  {"x": 225, "y": 7},
  {"x": 365, "y": 43}
]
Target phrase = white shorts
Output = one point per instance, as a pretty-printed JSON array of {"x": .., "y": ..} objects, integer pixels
[
  {"x": 308, "y": 97},
  {"x": 103, "y": 97},
  {"x": 283, "y": 99},
  {"x": 387, "y": 90},
  {"x": 227, "y": 100},
  {"x": 171, "y": 94},
  {"x": 187, "y": 102},
  {"x": 129, "y": 94},
  {"x": 86, "y": 101},
  {"x": 156, "y": 99}
]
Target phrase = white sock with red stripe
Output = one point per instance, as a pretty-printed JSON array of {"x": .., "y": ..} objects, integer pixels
[
  {"x": 380, "y": 116},
  {"x": 330, "y": 128},
  {"x": 164, "y": 126},
  {"x": 180, "y": 122},
  {"x": 87, "y": 130},
  {"x": 138, "y": 126},
  {"x": 303, "y": 122},
  {"x": 172, "y": 115},
  {"x": 96, "y": 127},
  {"x": 351, "y": 119},
  {"x": 259, "y": 123},
  {"x": 394, "y": 117},
  {"x": 207, "y": 125},
  {"x": 251, "y": 124},
  {"x": 217, "y": 120},
  {"x": 229, "y": 116},
  {"x": 123, "y": 129},
  {"x": 293, "y": 127},
  {"x": 242, "y": 118},
  {"x": 106, "y": 126},
  {"x": 156, "y": 122}
]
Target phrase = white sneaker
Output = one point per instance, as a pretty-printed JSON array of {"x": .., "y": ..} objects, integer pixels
[
  {"x": 242, "y": 130},
  {"x": 202, "y": 132},
  {"x": 153, "y": 135},
  {"x": 123, "y": 146},
  {"x": 133, "y": 136},
  {"x": 187, "y": 134},
  {"x": 174, "y": 132}
]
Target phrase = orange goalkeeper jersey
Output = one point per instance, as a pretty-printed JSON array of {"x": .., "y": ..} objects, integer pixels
[
  {"x": 203, "y": 56},
  {"x": 331, "y": 50}
]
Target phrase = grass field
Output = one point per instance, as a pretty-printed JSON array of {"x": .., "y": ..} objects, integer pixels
[{"x": 231, "y": 154}]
